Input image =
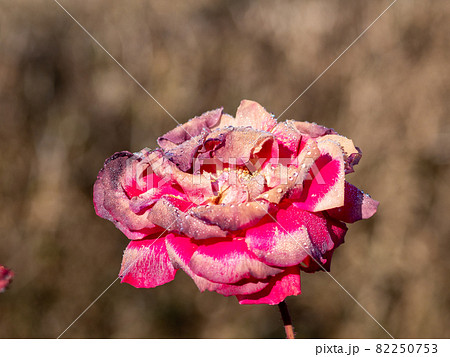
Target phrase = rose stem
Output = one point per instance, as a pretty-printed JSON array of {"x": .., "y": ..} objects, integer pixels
[{"x": 286, "y": 320}]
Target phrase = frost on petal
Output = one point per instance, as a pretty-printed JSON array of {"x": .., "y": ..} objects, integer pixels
[
  {"x": 288, "y": 137},
  {"x": 357, "y": 205},
  {"x": 326, "y": 188},
  {"x": 229, "y": 262},
  {"x": 250, "y": 113},
  {"x": 146, "y": 264},
  {"x": 237, "y": 146},
  {"x": 170, "y": 214},
  {"x": 138, "y": 204},
  {"x": 6, "y": 276},
  {"x": 295, "y": 235},
  {"x": 337, "y": 232},
  {"x": 197, "y": 188},
  {"x": 232, "y": 217},
  {"x": 313, "y": 130},
  {"x": 281, "y": 286},
  {"x": 181, "y": 249},
  {"x": 351, "y": 153},
  {"x": 192, "y": 128},
  {"x": 112, "y": 202},
  {"x": 183, "y": 155}
]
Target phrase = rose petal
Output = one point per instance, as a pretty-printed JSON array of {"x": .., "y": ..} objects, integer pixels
[
  {"x": 190, "y": 129},
  {"x": 166, "y": 214},
  {"x": 236, "y": 146},
  {"x": 295, "y": 235},
  {"x": 312, "y": 130},
  {"x": 183, "y": 155},
  {"x": 146, "y": 264},
  {"x": 232, "y": 217},
  {"x": 337, "y": 232},
  {"x": 357, "y": 205},
  {"x": 326, "y": 189},
  {"x": 288, "y": 137},
  {"x": 197, "y": 188},
  {"x": 280, "y": 287},
  {"x": 181, "y": 249},
  {"x": 228, "y": 262},
  {"x": 250, "y": 113},
  {"x": 352, "y": 154},
  {"x": 112, "y": 202}
]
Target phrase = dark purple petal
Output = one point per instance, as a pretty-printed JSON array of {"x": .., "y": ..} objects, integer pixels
[{"x": 357, "y": 205}]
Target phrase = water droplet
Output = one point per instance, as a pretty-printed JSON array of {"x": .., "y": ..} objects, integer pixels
[
  {"x": 291, "y": 178},
  {"x": 279, "y": 190},
  {"x": 295, "y": 174},
  {"x": 247, "y": 204}
]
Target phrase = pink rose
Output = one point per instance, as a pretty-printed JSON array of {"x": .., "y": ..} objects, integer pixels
[
  {"x": 240, "y": 204},
  {"x": 6, "y": 276}
]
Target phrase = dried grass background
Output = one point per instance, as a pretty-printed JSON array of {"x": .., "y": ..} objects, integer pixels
[{"x": 65, "y": 106}]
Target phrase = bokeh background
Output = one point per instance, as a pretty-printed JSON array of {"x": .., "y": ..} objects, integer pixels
[{"x": 65, "y": 106}]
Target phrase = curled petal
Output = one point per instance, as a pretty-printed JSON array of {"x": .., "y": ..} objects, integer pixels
[
  {"x": 229, "y": 262},
  {"x": 288, "y": 137},
  {"x": 146, "y": 264},
  {"x": 166, "y": 214},
  {"x": 357, "y": 205},
  {"x": 232, "y": 217},
  {"x": 236, "y": 146},
  {"x": 197, "y": 188},
  {"x": 190, "y": 129},
  {"x": 183, "y": 155},
  {"x": 294, "y": 236},
  {"x": 312, "y": 130},
  {"x": 326, "y": 188},
  {"x": 112, "y": 202},
  {"x": 281, "y": 286},
  {"x": 250, "y": 113},
  {"x": 144, "y": 201},
  {"x": 351, "y": 153},
  {"x": 181, "y": 249},
  {"x": 337, "y": 232}
]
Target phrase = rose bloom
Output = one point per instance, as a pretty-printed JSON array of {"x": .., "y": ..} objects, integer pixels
[
  {"x": 6, "y": 276},
  {"x": 241, "y": 204}
]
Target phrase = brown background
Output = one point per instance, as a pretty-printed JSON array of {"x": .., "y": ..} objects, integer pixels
[{"x": 65, "y": 106}]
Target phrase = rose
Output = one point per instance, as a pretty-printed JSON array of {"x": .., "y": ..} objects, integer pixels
[
  {"x": 240, "y": 204},
  {"x": 6, "y": 276}
]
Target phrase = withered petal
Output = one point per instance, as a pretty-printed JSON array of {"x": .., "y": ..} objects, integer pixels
[
  {"x": 253, "y": 114},
  {"x": 232, "y": 217},
  {"x": 112, "y": 203},
  {"x": 190, "y": 129},
  {"x": 165, "y": 214},
  {"x": 312, "y": 129}
]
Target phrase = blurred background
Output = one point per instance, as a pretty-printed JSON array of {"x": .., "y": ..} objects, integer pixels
[{"x": 65, "y": 106}]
